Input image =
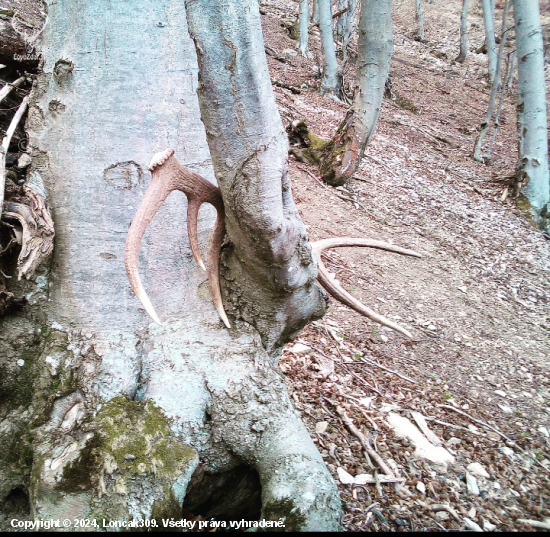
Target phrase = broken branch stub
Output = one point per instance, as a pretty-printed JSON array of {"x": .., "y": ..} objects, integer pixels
[
  {"x": 169, "y": 175},
  {"x": 336, "y": 290}
]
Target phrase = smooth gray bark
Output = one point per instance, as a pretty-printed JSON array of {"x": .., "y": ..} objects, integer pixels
[
  {"x": 111, "y": 412},
  {"x": 495, "y": 85},
  {"x": 332, "y": 75},
  {"x": 533, "y": 146},
  {"x": 463, "y": 32},
  {"x": 303, "y": 39},
  {"x": 420, "y": 18},
  {"x": 373, "y": 64},
  {"x": 488, "y": 8},
  {"x": 315, "y": 11}
]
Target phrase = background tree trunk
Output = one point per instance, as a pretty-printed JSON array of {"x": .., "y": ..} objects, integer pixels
[
  {"x": 302, "y": 45},
  {"x": 420, "y": 19},
  {"x": 332, "y": 75},
  {"x": 463, "y": 32},
  {"x": 113, "y": 413},
  {"x": 315, "y": 11},
  {"x": 488, "y": 8},
  {"x": 533, "y": 145},
  {"x": 375, "y": 49}
]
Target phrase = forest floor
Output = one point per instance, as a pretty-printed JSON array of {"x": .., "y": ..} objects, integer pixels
[{"x": 477, "y": 302}]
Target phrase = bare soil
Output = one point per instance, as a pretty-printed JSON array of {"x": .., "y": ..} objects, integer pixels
[{"x": 477, "y": 303}]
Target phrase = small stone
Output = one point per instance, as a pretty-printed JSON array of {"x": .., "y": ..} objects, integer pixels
[
  {"x": 384, "y": 338},
  {"x": 515, "y": 493},
  {"x": 300, "y": 349},
  {"x": 505, "y": 408},
  {"x": 24, "y": 161},
  {"x": 476, "y": 469},
  {"x": 501, "y": 393},
  {"x": 129, "y": 457},
  {"x": 421, "y": 487},
  {"x": 321, "y": 427},
  {"x": 471, "y": 525},
  {"x": 290, "y": 52},
  {"x": 472, "y": 512},
  {"x": 442, "y": 515},
  {"x": 487, "y": 526},
  {"x": 497, "y": 486},
  {"x": 471, "y": 483},
  {"x": 20, "y": 363}
]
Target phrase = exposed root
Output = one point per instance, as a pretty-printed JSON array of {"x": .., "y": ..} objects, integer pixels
[{"x": 28, "y": 207}]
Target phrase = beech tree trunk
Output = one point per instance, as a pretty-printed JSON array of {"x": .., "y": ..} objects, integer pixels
[
  {"x": 303, "y": 39},
  {"x": 488, "y": 7},
  {"x": 533, "y": 137},
  {"x": 420, "y": 19},
  {"x": 332, "y": 75},
  {"x": 104, "y": 414},
  {"x": 344, "y": 154},
  {"x": 463, "y": 32}
]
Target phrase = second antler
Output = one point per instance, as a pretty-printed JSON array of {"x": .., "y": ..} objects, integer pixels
[{"x": 169, "y": 175}]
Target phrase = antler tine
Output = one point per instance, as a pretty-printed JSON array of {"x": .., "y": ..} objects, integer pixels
[
  {"x": 168, "y": 175},
  {"x": 214, "y": 247},
  {"x": 336, "y": 289},
  {"x": 153, "y": 199}
]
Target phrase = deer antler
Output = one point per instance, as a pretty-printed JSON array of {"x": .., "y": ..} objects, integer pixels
[
  {"x": 169, "y": 175},
  {"x": 335, "y": 289}
]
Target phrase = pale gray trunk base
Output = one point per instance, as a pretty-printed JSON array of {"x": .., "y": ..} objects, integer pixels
[
  {"x": 113, "y": 413},
  {"x": 532, "y": 168}
]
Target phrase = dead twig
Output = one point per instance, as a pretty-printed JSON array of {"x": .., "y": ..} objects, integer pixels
[
  {"x": 364, "y": 441},
  {"x": 370, "y": 362},
  {"x": 5, "y": 146}
]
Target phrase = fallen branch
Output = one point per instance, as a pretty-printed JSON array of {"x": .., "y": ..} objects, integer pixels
[
  {"x": 449, "y": 407},
  {"x": 6, "y": 90},
  {"x": 6, "y": 144},
  {"x": 364, "y": 441},
  {"x": 370, "y": 362},
  {"x": 535, "y": 523}
]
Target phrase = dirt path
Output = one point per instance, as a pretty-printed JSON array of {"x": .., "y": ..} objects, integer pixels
[{"x": 477, "y": 302}]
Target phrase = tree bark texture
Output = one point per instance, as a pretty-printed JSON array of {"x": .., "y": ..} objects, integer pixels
[
  {"x": 495, "y": 85},
  {"x": 463, "y": 32},
  {"x": 354, "y": 133},
  {"x": 107, "y": 415},
  {"x": 332, "y": 75},
  {"x": 488, "y": 8},
  {"x": 533, "y": 146},
  {"x": 420, "y": 19},
  {"x": 303, "y": 39}
]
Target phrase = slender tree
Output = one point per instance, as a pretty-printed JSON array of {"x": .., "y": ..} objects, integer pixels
[
  {"x": 463, "y": 32},
  {"x": 332, "y": 74},
  {"x": 303, "y": 39},
  {"x": 315, "y": 12},
  {"x": 420, "y": 18},
  {"x": 345, "y": 152},
  {"x": 532, "y": 168},
  {"x": 495, "y": 85},
  {"x": 488, "y": 8}
]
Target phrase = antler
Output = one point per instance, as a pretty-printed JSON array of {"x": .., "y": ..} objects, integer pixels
[
  {"x": 169, "y": 175},
  {"x": 335, "y": 289}
]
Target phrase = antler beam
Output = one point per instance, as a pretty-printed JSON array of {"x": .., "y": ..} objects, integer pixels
[
  {"x": 169, "y": 175},
  {"x": 339, "y": 293}
]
